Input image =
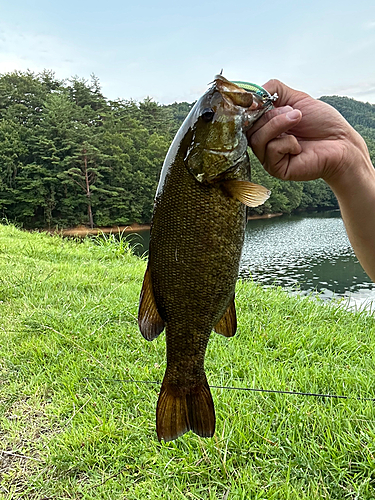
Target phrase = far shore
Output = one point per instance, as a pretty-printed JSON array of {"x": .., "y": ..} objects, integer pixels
[
  {"x": 82, "y": 231},
  {"x": 264, "y": 216}
]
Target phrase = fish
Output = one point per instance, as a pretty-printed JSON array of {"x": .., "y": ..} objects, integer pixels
[{"x": 197, "y": 234}]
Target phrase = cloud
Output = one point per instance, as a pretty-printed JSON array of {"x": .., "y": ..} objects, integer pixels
[
  {"x": 363, "y": 91},
  {"x": 369, "y": 25},
  {"x": 359, "y": 89},
  {"x": 20, "y": 50}
]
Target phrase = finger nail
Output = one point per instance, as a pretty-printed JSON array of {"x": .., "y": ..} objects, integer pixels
[
  {"x": 285, "y": 109},
  {"x": 293, "y": 115}
]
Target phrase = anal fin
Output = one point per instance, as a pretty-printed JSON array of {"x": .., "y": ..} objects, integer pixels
[
  {"x": 149, "y": 320},
  {"x": 227, "y": 325}
]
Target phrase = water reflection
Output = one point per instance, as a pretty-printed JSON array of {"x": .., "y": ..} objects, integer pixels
[
  {"x": 140, "y": 241},
  {"x": 311, "y": 252}
]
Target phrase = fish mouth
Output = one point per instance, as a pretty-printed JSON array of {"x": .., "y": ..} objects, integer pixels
[
  {"x": 255, "y": 102},
  {"x": 254, "y": 116},
  {"x": 258, "y": 108}
]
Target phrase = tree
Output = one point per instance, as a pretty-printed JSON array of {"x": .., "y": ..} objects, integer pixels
[
  {"x": 87, "y": 173},
  {"x": 69, "y": 156}
]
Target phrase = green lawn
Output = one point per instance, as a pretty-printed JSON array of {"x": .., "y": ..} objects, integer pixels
[{"x": 69, "y": 428}]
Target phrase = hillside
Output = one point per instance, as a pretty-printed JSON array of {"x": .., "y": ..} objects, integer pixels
[
  {"x": 356, "y": 112},
  {"x": 70, "y": 156}
]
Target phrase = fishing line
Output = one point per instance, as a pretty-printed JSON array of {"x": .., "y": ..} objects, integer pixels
[{"x": 250, "y": 389}]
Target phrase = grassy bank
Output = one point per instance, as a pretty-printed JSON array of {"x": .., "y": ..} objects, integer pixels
[{"x": 70, "y": 429}]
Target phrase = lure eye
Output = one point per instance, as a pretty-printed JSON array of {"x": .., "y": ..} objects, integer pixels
[{"x": 208, "y": 114}]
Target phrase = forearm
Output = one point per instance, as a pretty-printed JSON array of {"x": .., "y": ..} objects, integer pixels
[{"x": 355, "y": 191}]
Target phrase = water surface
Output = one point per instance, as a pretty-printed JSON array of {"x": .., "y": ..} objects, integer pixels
[{"x": 310, "y": 253}]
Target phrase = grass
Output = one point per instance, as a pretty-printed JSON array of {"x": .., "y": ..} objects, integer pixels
[{"x": 70, "y": 429}]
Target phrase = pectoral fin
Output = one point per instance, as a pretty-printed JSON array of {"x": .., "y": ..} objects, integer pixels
[
  {"x": 227, "y": 325},
  {"x": 149, "y": 320},
  {"x": 246, "y": 192}
]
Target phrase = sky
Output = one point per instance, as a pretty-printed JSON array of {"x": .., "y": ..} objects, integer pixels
[{"x": 171, "y": 50}]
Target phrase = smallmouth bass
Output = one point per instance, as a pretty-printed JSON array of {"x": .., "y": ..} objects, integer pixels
[{"x": 197, "y": 233}]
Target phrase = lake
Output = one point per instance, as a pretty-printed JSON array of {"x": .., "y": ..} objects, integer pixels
[{"x": 304, "y": 253}]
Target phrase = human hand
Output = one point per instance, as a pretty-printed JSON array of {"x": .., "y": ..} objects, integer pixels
[{"x": 303, "y": 139}]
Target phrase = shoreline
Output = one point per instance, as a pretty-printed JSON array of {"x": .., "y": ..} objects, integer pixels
[
  {"x": 82, "y": 231},
  {"x": 264, "y": 216}
]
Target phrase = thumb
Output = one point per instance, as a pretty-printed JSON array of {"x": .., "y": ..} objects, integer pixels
[{"x": 287, "y": 95}]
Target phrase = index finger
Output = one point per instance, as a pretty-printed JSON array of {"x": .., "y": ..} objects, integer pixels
[{"x": 267, "y": 117}]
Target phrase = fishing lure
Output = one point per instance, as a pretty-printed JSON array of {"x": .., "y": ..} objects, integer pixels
[{"x": 257, "y": 89}]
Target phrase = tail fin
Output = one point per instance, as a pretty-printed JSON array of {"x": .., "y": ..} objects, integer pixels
[{"x": 177, "y": 413}]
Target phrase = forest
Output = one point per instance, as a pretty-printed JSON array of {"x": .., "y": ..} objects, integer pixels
[{"x": 70, "y": 156}]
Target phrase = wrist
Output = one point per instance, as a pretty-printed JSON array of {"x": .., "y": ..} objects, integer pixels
[
  {"x": 354, "y": 188},
  {"x": 355, "y": 170}
]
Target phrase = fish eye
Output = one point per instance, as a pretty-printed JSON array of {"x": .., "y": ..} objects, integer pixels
[{"x": 208, "y": 114}]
